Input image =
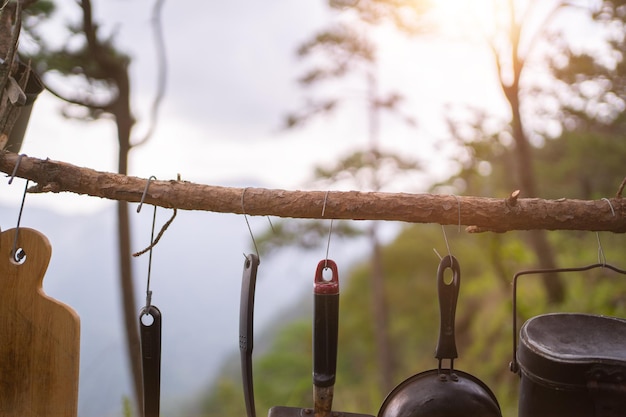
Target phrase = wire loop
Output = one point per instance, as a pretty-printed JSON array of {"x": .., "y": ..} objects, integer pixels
[
  {"x": 245, "y": 216},
  {"x": 17, "y": 165},
  {"x": 18, "y": 255}
]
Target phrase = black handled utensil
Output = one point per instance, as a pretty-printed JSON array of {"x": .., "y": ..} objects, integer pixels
[
  {"x": 448, "y": 297},
  {"x": 325, "y": 330},
  {"x": 325, "y": 337},
  {"x": 246, "y": 329},
  {"x": 150, "y": 332}
]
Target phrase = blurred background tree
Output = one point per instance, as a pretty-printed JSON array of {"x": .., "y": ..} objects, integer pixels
[
  {"x": 561, "y": 139},
  {"x": 91, "y": 75},
  {"x": 343, "y": 65}
]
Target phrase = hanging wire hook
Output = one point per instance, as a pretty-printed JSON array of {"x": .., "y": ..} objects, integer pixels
[
  {"x": 148, "y": 290},
  {"x": 17, "y": 165},
  {"x": 610, "y": 205},
  {"x": 18, "y": 256},
  {"x": 245, "y": 216},
  {"x": 149, "y": 248},
  {"x": 330, "y": 230},
  {"x": 145, "y": 192},
  {"x": 153, "y": 240},
  {"x": 443, "y": 229},
  {"x": 271, "y": 224},
  {"x": 601, "y": 256},
  {"x": 167, "y": 224},
  {"x": 445, "y": 238}
]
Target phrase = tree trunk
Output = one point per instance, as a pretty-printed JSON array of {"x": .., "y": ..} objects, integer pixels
[
  {"x": 379, "y": 299},
  {"x": 537, "y": 239},
  {"x": 380, "y": 312},
  {"x": 130, "y": 312},
  {"x": 124, "y": 126}
]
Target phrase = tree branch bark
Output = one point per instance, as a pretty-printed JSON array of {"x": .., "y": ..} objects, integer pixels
[{"x": 480, "y": 214}]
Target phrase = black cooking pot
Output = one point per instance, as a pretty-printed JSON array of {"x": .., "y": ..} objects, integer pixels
[
  {"x": 443, "y": 392},
  {"x": 570, "y": 364}
]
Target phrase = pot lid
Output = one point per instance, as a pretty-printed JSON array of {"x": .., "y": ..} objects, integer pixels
[{"x": 563, "y": 347}]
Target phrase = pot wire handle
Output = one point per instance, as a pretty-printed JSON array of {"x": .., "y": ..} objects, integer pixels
[
  {"x": 448, "y": 295},
  {"x": 514, "y": 365}
]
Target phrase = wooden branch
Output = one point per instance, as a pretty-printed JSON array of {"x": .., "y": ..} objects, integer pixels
[{"x": 479, "y": 213}]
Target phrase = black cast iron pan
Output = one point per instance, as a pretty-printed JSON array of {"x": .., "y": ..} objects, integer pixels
[{"x": 443, "y": 392}]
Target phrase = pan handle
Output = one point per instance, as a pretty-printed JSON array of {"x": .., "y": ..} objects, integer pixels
[
  {"x": 246, "y": 329},
  {"x": 325, "y": 335},
  {"x": 325, "y": 326},
  {"x": 448, "y": 296},
  {"x": 151, "y": 360}
]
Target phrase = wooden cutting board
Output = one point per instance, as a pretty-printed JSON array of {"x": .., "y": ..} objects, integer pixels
[{"x": 39, "y": 336}]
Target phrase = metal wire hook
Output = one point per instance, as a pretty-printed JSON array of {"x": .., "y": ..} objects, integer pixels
[
  {"x": 18, "y": 256},
  {"x": 601, "y": 256},
  {"x": 143, "y": 197},
  {"x": 148, "y": 291},
  {"x": 245, "y": 216},
  {"x": 443, "y": 229},
  {"x": 330, "y": 230},
  {"x": 17, "y": 165},
  {"x": 153, "y": 240},
  {"x": 145, "y": 192},
  {"x": 610, "y": 205},
  {"x": 445, "y": 238}
]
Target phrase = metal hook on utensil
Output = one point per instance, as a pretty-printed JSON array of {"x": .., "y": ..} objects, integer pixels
[
  {"x": 17, "y": 165},
  {"x": 145, "y": 192},
  {"x": 153, "y": 240},
  {"x": 245, "y": 216},
  {"x": 330, "y": 230},
  {"x": 601, "y": 256},
  {"x": 150, "y": 327},
  {"x": 18, "y": 254}
]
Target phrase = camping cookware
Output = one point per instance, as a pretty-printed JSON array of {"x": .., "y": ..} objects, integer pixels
[
  {"x": 246, "y": 329},
  {"x": 39, "y": 336},
  {"x": 570, "y": 364},
  {"x": 443, "y": 392},
  {"x": 150, "y": 332},
  {"x": 325, "y": 332}
]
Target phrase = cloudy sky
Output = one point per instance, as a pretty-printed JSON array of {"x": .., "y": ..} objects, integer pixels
[{"x": 231, "y": 78}]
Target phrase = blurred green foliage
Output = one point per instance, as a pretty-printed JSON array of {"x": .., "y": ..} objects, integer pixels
[{"x": 484, "y": 313}]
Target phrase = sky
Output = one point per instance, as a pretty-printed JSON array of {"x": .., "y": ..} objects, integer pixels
[{"x": 231, "y": 78}]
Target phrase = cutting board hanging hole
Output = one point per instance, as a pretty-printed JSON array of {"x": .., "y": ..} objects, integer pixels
[{"x": 18, "y": 256}]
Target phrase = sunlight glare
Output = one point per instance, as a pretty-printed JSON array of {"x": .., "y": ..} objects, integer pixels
[{"x": 472, "y": 20}]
